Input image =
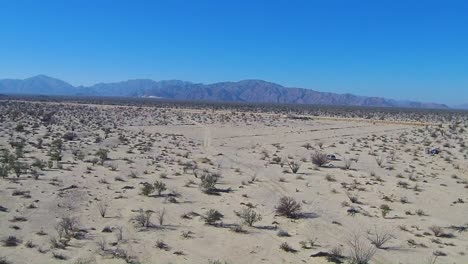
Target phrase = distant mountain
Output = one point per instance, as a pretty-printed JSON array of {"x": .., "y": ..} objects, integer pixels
[
  {"x": 462, "y": 106},
  {"x": 242, "y": 91},
  {"x": 40, "y": 84}
]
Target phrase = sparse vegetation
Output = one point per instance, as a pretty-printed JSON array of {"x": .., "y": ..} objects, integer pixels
[{"x": 99, "y": 161}]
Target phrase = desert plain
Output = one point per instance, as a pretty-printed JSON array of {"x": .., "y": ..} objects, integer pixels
[{"x": 121, "y": 183}]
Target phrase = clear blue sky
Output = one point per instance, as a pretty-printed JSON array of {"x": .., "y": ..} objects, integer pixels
[{"x": 398, "y": 49}]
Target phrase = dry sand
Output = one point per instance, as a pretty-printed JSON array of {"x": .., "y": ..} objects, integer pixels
[{"x": 246, "y": 150}]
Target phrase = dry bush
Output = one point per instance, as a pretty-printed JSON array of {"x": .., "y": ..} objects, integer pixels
[
  {"x": 286, "y": 247},
  {"x": 288, "y": 207},
  {"x": 319, "y": 159},
  {"x": 102, "y": 207},
  {"x": 143, "y": 218},
  {"x": 353, "y": 197},
  {"x": 379, "y": 237},
  {"x": 212, "y": 216},
  {"x": 66, "y": 227},
  {"x": 208, "y": 182},
  {"x": 249, "y": 216},
  {"x": 102, "y": 154},
  {"x": 294, "y": 166},
  {"x": 437, "y": 230},
  {"x": 330, "y": 178},
  {"x": 161, "y": 214},
  {"x": 160, "y": 187},
  {"x": 11, "y": 241},
  {"x": 361, "y": 252},
  {"x": 147, "y": 189}
]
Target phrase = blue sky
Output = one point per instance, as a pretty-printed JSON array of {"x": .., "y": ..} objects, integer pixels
[{"x": 414, "y": 50}]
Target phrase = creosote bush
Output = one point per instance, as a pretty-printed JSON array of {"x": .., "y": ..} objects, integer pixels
[
  {"x": 147, "y": 189},
  {"x": 208, "y": 182},
  {"x": 319, "y": 159},
  {"x": 160, "y": 187},
  {"x": 288, "y": 207},
  {"x": 102, "y": 154},
  {"x": 249, "y": 216},
  {"x": 11, "y": 241},
  {"x": 212, "y": 216},
  {"x": 143, "y": 218}
]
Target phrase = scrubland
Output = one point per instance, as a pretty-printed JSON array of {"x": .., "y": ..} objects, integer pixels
[{"x": 175, "y": 183}]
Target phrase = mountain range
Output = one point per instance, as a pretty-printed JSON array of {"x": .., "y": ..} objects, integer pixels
[{"x": 241, "y": 91}]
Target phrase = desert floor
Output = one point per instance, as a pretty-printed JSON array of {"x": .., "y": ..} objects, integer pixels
[{"x": 392, "y": 188}]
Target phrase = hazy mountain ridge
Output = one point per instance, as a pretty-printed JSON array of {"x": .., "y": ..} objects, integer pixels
[
  {"x": 241, "y": 91},
  {"x": 462, "y": 106}
]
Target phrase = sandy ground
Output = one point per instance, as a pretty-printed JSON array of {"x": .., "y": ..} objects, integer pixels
[{"x": 248, "y": 151}]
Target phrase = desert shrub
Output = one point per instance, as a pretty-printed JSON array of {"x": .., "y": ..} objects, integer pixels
[
  {"x": 336, "y": 254},
  {"x": 61, "y": 243},
  {"x": 385, "y": 209},
  {"x": 212, "y": 216},
  {"x": 161, "y": 216},
  {"x": 276, "y": 160},
  {"x": 60, "y": 256},
  {"x": 102, "y": 154},
  {"x": 161, "y": 245},
  {"x": 319, "y": 159},
  {"x": 282, "y": 233},
  {"x": 437, "y": 230},
  {"x": 160, "y": 187},
  {"x": 294, "y": 166},
  {"x": 288, "y": 207},
  {"x": 143, "y": 218},
  {"x": 208, "y": 182},
  {"x": 30, "y": 244},
  {"x": 404, "y": 200},
  {"x": 66, "y": 227},
  {"x": 147, "y": 189},
  {"x": 330, "y": 178},
  {"x": 11, "y": 241},
  {"x": 353, "y": 197},
  {"x": 4, "y": 171},
  {"x": 102, "y": 244},
  {"x": 286, "y": 247},
  {"x": 360, "y": 251},
  {"x": 39, "y": 164},
  {"x": 249, "y": 216},
  {"x": 102, "y": 207},
  {"x": 379, "y": 237},
  {"x": 420, "y": 212}
]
